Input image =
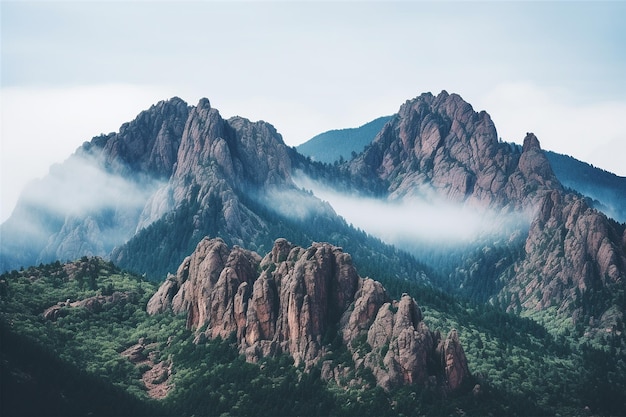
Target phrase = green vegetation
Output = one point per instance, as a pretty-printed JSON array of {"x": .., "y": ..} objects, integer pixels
[
  {"x": 541, "y": 369},
  {"x": 73, "y": 365}
]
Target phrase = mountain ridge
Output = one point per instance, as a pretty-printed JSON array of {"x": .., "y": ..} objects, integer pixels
[
  {"x": 563, "y": 264},
  {"x": 234, "y": 178},
  {"x": 606, "y": 189}
]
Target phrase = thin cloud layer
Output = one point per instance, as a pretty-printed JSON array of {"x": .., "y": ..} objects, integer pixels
[
  {"x": 416, "y": 220},
  {"x": 43, "y": 126},
  {"x": 80, "y": 186}
]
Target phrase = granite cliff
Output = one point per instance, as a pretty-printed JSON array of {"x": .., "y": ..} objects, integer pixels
[{"x": 292, "y": 299}]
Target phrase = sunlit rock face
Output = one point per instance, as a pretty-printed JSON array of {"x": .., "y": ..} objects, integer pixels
[{"x": 293, "y": 298}]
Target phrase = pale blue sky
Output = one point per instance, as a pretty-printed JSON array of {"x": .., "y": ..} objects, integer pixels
[{"x": 73, "y": 70}]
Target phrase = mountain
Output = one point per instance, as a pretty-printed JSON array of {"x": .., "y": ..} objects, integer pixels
[
  {"x": 607, "y": 190},
  {"x": 340, "y": 144},
  {"x": 437, "y": 145},
  {"x": 440, "y": 144},
  {"x": 182, "y": 190}
]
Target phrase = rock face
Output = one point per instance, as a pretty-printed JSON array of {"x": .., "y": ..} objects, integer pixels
[
  {"x": 571, "y": 249},
  {"x": 293, "y": 299},
  {"x": 438, "y": 145},
  {"x": 218, "y": 161}
]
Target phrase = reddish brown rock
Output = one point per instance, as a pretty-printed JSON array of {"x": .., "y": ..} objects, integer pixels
[
  {"x": 439, "y": 143},
  {"x": 571, "y": 248},
  {"x": 92, "y": 304},
  {"x": 453, "y": 360},
  {"x": 288, "y": 302}
]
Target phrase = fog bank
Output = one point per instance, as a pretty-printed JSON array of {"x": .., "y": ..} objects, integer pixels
[{"x": 416, "y": 220}]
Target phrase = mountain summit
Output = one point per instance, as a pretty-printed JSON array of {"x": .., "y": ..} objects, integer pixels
[{"x": 440, "y": 144}]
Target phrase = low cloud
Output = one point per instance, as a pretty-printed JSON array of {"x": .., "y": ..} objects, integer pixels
[
  {"x": 79, "y": 208},
  {"x": 81, "y": 186},
  {"x": 413, "y": 221},
  {"x": 43, "y": 126},
  {"x": 295, "y": 204}
]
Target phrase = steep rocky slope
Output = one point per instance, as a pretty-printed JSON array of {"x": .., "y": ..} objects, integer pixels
[
  {"x": 293, "y": 299},
  {"x": 438, "y": 145}
]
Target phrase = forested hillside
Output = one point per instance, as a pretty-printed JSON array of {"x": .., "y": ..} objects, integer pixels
[
  {"x": 109, "y": 345},
  {"x": 342, "y": 144}
]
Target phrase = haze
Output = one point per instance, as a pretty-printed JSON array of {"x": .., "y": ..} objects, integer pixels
[
  {"x": 73, "y": 70},
  {"x": 416, "y": 220}
]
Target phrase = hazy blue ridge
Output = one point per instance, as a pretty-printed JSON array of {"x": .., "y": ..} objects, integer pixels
[
  {"x": 605, "y": 188},
  {"x": 330, "y": 146}
]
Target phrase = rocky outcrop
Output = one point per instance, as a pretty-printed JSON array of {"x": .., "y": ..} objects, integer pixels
[
  {"x": 571, "y": 249},
  {"x": 92, "y": 304},
  {"x": 292, "y": 300},
  {"x": 218, "y": 161},
  {"x": 156, "y": 374},
  {"x": 147, "y": 145},
  {"x": 440, "y": 144}
]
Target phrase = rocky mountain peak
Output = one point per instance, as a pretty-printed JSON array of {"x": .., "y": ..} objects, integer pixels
[
  {"x": 288, "y": 301},
  {"x": 149, "y": 144},
  {"x": 530, "y": 142},
  {"x": 238, "y": 150},
  {"x": 440, "y": 144}
]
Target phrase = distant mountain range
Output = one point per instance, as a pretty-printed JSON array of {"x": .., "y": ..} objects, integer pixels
[
  {"x": 428, "y": 197},
  {"x": 341, "y": 144}
]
